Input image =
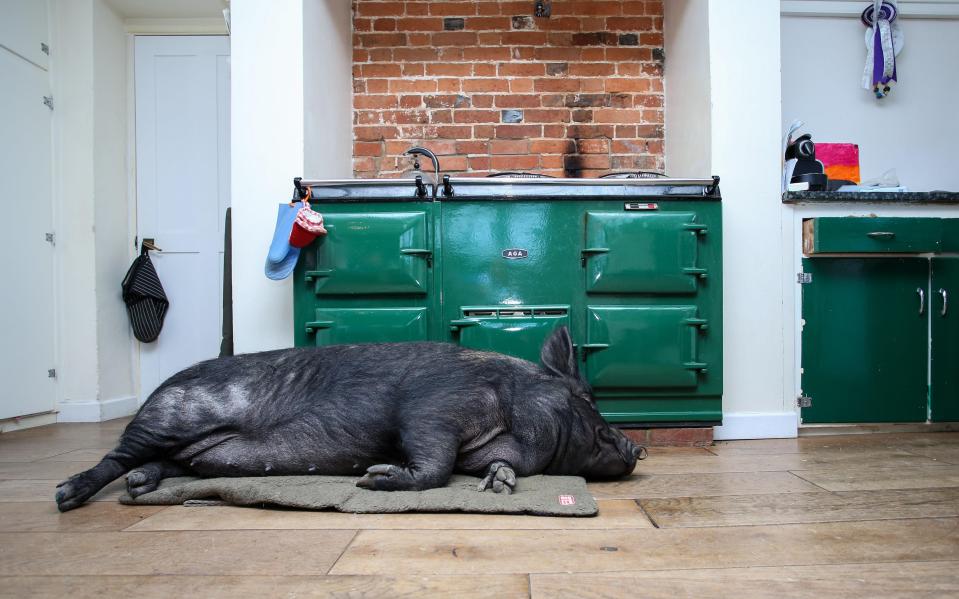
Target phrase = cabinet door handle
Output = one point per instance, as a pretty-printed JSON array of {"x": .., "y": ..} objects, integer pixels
[
  {"x": 922, "y": 300},
  {"x": 881, "y": 234},
  {"x": 945, "y": 301}
]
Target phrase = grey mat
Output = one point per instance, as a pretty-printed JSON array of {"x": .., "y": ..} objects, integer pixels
[{"x": 534, "y": 495}]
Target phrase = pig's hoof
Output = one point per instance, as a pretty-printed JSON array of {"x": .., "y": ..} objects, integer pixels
[
  {"x": 72, "y": 492},
  {"x": 382, "y": 477},
  {"x": 144, "y": 479},
  {"x": 500, "y": 477}
]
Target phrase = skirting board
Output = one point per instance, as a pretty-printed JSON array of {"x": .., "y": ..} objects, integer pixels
[
  {"x": 96, "y": 411},
  {"x": 748, "y": 425},
  {"x": 24, "y": 422}
]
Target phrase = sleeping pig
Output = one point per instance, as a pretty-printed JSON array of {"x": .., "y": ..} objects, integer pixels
[{"x": 405, "y": 415}]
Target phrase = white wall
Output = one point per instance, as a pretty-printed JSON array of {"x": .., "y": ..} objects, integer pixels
[
  {"x": 911, "y": 130},
  {"x": 88, "y": 71},
  {"x": 686, "y": 77},
  {"x": 269, "y": 127},
  {"x": 745, "y": 140}
]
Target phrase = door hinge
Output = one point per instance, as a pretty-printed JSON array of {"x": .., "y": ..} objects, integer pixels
[
  {"x": 804, "y": 278},
  {"x": 45, "y": 48},
  {"x": 804, "y": 401},
  {"x": 48, "y": 102},
  {"x": 51, "y": 238},
  {"x": 52, "y": 373}
]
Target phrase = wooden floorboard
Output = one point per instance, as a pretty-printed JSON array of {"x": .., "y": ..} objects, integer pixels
[
  {"x": 873, "y": 515},
  {"x": 795, "y": 508}
]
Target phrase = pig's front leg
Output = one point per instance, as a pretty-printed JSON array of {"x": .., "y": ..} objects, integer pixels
[
  {"x": 500, "y": 477},
  {"x": 429, "y": 465}
]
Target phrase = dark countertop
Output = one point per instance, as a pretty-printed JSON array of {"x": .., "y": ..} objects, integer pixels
[{"x": 866, "y": 197}]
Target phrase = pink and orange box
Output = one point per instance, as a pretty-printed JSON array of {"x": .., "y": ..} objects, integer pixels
[{"x": 841, "y": 161}]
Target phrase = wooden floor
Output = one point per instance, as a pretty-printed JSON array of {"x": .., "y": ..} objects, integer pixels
[{"x": 843, "y": 516}]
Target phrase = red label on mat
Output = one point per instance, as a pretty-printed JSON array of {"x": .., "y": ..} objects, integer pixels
[{"x": 567, "y": 500}]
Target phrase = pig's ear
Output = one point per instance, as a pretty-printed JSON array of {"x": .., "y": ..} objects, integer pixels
[{"x": 558, "y": 355}]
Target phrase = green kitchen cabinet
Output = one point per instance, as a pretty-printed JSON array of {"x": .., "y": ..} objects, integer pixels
[
  {"x": 865, "y": 340},
  {"x": 632, "y": 268},
  {"x": 944, "y": 364},
  {"x": 872, "y": 234}
]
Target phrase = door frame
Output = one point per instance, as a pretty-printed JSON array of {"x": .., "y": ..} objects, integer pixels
[{"x": 191, "y": 27}]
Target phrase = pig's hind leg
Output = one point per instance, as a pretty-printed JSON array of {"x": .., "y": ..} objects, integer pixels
[
  {"x": 430, "y": 457},
  {"x": 147, "y": 477}
]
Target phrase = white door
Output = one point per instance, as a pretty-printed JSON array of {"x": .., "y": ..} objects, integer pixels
[
  {"x": 182, "y": 88},
  {"x": 26, "y": 264}
]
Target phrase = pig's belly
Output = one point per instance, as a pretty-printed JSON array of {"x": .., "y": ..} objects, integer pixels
[{"x": 243, "y": 456}]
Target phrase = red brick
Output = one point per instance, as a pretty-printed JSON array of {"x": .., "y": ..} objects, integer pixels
[
  {"x": 520, "y": 86},
  {"x": 591, "y": 69},
  {"x": 419, "y": 24},
  {"x": 546, "y": 115},
  {"x": 411, "y": 101},
  {"x": 472, "y": 147},
  {"x": 630, "y": 84},
  {"x": 367, "y": 148},
  {"x": 412, "y": 85},
  {"x": 479, "y": 163},
  {"x": 486, "y": 54},
  {"x": 455, "y": 9},
  {"x": 374, "y": 40},
  {"x": 515, "y": 101},
  {"x": 413, "y": 69},
  {"x": 454, "y": 38},
  {"x": 476, "y": 116},
  {"x": 415, "y": 54},
  {"x": 453, "y": 131},
  {"x": 554, "y": 131},
  {"x": 592, "y": 146},
  {"x": 521, "y": 69},
  {"x": 371, "y": 101},
  {"x": 483, "y": 131},
  {"x": 454, "y": 163},
  {"x": 552, "y": 146},
  {"x": 417, "y": 8},
  {"x": 485, "y": 85},
  {"x": 374, "y": 133},
  {"x": 384, "y": 25},
  {"x": 484, "y": 70},
  {"x": 482, "y": 101},
  {"x": 441, "y": 116},
  {"x": 509, "y": 146},
  {"x": 518, "y": 131},
  {"x": 380, "y": 9},
  {"x": 514, "y": 163},
  {"x": 629, "y": 23},
  {"x": 451, "y": 69},
  {"x": 487, "y": 23},
  {"x": 377, "y": 86},
  {"x": 557, "y": 85}
]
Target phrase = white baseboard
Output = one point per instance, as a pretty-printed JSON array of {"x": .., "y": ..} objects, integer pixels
[
  {"x": 765, "y": 425},
  {"x": 96, "y": 411},
  {"x": 23, "y": 422}
]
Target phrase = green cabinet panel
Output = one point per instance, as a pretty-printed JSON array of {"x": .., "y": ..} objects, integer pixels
[
  {"x": 367, "y": 325},
  {"x": 944, "y": 391},
  {"x": 865, "y": 340},
  {"x": 629, "y": 252},
  {"x": 876, "y": 234},
  {"x": 642, "y": 346},
  {"x": 367, "y": 253},
  {"x": 950, "y": 235},
  {"x": 517, "y": 331}
]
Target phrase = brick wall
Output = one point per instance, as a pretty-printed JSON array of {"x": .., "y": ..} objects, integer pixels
[{"x": 489, "y": 87}]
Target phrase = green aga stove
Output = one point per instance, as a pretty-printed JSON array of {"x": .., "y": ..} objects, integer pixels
[{"x": 633, "y": 267}]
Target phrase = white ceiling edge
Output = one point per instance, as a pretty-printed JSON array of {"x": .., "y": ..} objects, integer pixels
[
  {"x": 185, "y": 26},
  {"x": 908, "y": 9},
  {"x": 168, "y": 9}
]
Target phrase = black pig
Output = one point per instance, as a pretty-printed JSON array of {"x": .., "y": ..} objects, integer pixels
[{"x": 408, "y": 414}]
